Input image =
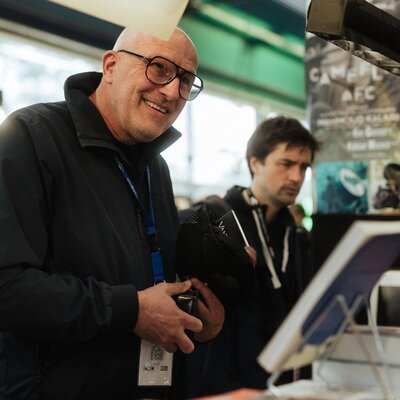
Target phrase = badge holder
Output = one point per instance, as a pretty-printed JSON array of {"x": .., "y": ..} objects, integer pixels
[
  {"x": 382, "y": 376},
  {"x": 155, "y": 365}
]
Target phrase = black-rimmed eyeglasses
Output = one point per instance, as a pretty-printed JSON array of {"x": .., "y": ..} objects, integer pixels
[{"x": 161, "y": 71}]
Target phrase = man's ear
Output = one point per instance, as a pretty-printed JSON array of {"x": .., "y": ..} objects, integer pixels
[
  {"x": 109, "y": 64},
  {"x": 254, "y": 162}
]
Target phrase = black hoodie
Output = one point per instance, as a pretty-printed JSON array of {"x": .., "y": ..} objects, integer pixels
[{"x": 229, "y": 361}]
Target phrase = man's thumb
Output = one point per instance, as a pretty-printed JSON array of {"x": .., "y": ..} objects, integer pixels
[{"x": 178, "y": 287}]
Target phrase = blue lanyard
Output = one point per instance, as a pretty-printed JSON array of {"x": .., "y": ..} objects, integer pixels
[{"x": 156, "y": 261}]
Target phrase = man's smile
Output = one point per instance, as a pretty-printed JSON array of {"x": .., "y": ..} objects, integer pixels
[{"x": 155, "y": 106}]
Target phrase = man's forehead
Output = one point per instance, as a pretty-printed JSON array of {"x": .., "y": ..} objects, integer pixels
[
  {"x": 289, "y": 151},
  {"x": 179, "y": 50}
]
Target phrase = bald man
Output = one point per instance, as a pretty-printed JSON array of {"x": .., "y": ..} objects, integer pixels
[{"x": 88, "y": 227}]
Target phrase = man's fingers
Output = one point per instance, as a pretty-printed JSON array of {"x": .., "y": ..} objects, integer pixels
[
  {"x": 185, "y": 344},
  {"x": 209, "y": 310},
  {"x": 182, "y": 340},
  {"x": 171, "y": 348},
  {"x": 209, "y": 298},
  {"x": 178, "y": 287},
  {"x": 192, "y": 323},
  {"x": 198, "y": 284},
  {"x": 201, "y": 307},
  {"x": 251, "y": 251}
]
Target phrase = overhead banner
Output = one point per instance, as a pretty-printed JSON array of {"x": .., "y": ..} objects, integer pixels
[
  {"x": 354, "y": 109},
  {"x": 154, "y": 17}
]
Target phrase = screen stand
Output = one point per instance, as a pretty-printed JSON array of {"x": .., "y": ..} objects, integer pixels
[{"x": 382, "y": 376}]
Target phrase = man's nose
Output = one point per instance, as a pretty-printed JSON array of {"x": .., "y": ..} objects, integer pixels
[
  {"x": 296, "y": 174},
  {"x": 171, "y": 89}
]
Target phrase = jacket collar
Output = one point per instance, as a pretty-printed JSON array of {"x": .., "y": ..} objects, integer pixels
[{"x": 91, "y": 128}]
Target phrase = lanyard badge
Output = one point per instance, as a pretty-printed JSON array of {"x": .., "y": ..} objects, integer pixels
[
  {"x": 151, "y": 233},
  {"x": 155, "y": 364}
]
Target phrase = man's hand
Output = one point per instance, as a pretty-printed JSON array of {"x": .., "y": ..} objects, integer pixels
[
  {"x": 160, "y": 321},
  {"x": 252, "y": 252},
  {"x": 209, "y": 310}
]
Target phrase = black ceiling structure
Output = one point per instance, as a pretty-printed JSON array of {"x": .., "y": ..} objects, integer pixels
[{"x": 360, "y": 28}]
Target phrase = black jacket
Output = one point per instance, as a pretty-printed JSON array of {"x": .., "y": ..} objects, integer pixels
[
  {"x": 72, "y": 255},
  {"x": 229, "y": 361}
]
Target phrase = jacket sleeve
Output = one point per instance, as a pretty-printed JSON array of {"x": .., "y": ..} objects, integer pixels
[{"x": 33, "y": 301}]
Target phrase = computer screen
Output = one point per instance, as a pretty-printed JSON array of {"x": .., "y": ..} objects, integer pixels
[{"x": 328, "y": 229}]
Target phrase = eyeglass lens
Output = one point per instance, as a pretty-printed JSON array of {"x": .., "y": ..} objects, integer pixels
[{"x": 162, "y": 71}]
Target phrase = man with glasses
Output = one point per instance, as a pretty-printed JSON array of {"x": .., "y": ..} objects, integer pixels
[
  {"x": 88, "y": 227},
  {"x": 161, "y": 71}
]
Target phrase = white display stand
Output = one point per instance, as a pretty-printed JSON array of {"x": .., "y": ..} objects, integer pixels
[
  {"x": 374, "y": 358},
  {"x": 327, "y": 308}
]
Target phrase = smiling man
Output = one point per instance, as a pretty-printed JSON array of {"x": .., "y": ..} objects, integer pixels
[
  {"x": 88, "y": 228},
  {"x": 138, "y": 96},
  {"x": 278, "y": 155}
]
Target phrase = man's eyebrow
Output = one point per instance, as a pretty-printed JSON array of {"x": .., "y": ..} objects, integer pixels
[{"x": 290, "y": 161}]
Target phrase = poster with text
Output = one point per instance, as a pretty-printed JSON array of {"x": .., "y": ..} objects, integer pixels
[{"x": 353, "y": 107}]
